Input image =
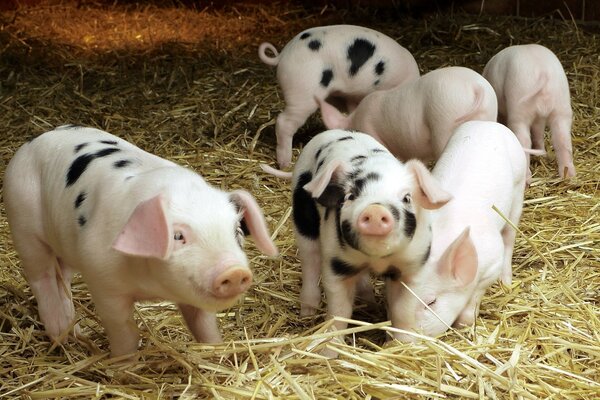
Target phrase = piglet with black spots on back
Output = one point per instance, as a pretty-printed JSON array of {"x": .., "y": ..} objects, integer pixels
[
  {"x": 136, "y": 226},
  {"x": 342, "y": 61},
  {"x": 357, "y": 209}
]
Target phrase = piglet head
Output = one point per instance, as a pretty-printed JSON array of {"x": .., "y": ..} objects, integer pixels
[
  {"x": 432, "y": 298},
  {"x": 373, "y": 201},
  {"x": 192, "y": 243}
]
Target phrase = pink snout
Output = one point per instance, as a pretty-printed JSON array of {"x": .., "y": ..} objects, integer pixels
[
  {"x": 232, "y": 282},
  {"x": 375, "y": 220}
]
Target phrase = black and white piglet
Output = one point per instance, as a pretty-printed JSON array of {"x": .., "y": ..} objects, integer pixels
[{"x": 357, "y": 209}]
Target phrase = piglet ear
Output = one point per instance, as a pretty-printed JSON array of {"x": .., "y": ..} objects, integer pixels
[
  {"x": 325, "y": 186},
  {"x": 254, "y": 222},
  {"x": 429, "y": 193},
  {"x": 459, "y": 261},
  {"x": 146, "y": 233}
]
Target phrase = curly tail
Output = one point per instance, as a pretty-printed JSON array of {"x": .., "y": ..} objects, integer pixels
[
  {"x": 273, "y": 61},
  {"x": 479, "y": 95}
]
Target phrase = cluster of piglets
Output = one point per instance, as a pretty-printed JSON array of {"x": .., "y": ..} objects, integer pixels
[
  {"x": 364, "y": 203},
  {"x": 138, "y": 227}
]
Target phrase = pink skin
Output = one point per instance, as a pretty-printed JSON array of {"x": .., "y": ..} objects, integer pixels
[
  {"x": 297, "y": 60},
  {"x": 160, "y": 232},
  {"x": 417, "y": 119},
  {"x": 375, "y": 220},
  {"x": 533, "y": 93},
  {"x": 483, "y": 165}
]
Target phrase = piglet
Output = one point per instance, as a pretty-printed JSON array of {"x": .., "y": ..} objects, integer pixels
[
  {"x": 342, "y": 61},
  {"x": 136, "y": 226},
  {"x": 533, "y": 92},
  {"x": 358, "y": 210},
  {"x": 416, "y": 120},
  {"x": 482, "y": 166}
]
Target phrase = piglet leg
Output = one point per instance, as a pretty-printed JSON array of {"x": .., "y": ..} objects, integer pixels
[
  {"x": 289, "y": 121},
  {"x": 203, "y": 324},
  {"x": 340, "y": 294},
  {"x": 560, "y": 127},
  {"x": 537, "y": 133},
  {"x": 51, "y": 285},
  {"x": 116, "y": 314},
  {"x": 310, "y": 258}
]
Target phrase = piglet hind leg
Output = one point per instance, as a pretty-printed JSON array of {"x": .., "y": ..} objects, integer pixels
[
  {"x": 560, "y": 127},
  {"x": 203, "y": 324},
  {"x": 51, "y": 285},
  {"x": 289, "y": 121}
]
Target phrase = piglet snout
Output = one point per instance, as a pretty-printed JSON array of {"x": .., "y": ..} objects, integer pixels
[
  {"x": 232, "y": 282},
  {"x": 375, "y": 220}
]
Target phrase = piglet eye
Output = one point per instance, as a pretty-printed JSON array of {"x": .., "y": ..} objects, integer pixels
[
  {"x": 431, "y": 303},
  {"x": 349, "y": 197},
  {"x": 407, "y": 199},
  {"x": 178, "y": 236}
]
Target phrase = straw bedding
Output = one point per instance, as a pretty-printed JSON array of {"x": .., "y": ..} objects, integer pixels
[{"x": 186, "y": 84}]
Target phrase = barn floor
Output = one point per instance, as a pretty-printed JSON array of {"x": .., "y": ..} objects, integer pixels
[{"x": 187, "y": 84}]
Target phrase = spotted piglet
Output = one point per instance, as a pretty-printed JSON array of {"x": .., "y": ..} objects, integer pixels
[
  {"x": 533, "y": 92},
  {"x": 416, "y": 120},
  {"x": 136, "y": 226},
  {"x": 345, "y": 62},
  {"x": 357, "y": 209},
  {"x": 482, "y": 166}
]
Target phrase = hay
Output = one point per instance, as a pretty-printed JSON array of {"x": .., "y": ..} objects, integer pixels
[{"x": 186, "y": 84}]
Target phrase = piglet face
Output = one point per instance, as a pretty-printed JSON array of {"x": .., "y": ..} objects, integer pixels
[
  {"x": 432, "y": 298},
  {"x": 194, "y": 240},
  {"x": 373, "y": 202}
]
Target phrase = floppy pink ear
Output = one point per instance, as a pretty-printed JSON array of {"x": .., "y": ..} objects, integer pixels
[
  {"x": 429, "y": 193},
  {"x": 255, "y": 222},
  {"x": 146, "y": 233},
  {"x": 319, "y": 183},
  {"x": 459, "y": 261}
]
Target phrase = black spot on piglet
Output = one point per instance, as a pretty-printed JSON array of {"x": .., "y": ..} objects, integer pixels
[
  {"x": 121, "y": 163},
  {"x": 80, "y": 146},
  {"x": 343, "y": 268},
  {"x": 81, "y": 163},
  {"x": 305, "y": 214},
  {"x": 314, "y": 45},
  {"x": 410, "y": 224},
  {"x": 379, "y": 68},
  {"x": 80, "y": 198},
  {"x": 326, "y": 77},
  {"x": 81, "y": 220},
  {"x": 359, "y": 53}
]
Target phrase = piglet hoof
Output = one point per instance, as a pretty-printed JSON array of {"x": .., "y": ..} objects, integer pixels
[
  {"x": 566, "y": 171},
  {"x": 307, "y": 311}
]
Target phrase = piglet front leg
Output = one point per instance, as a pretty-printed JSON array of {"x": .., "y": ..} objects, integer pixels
[
  {"x": 340, "y": 293},
  {"x": 203, "y": 324},
  {"x": 116, "y": 314}
]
